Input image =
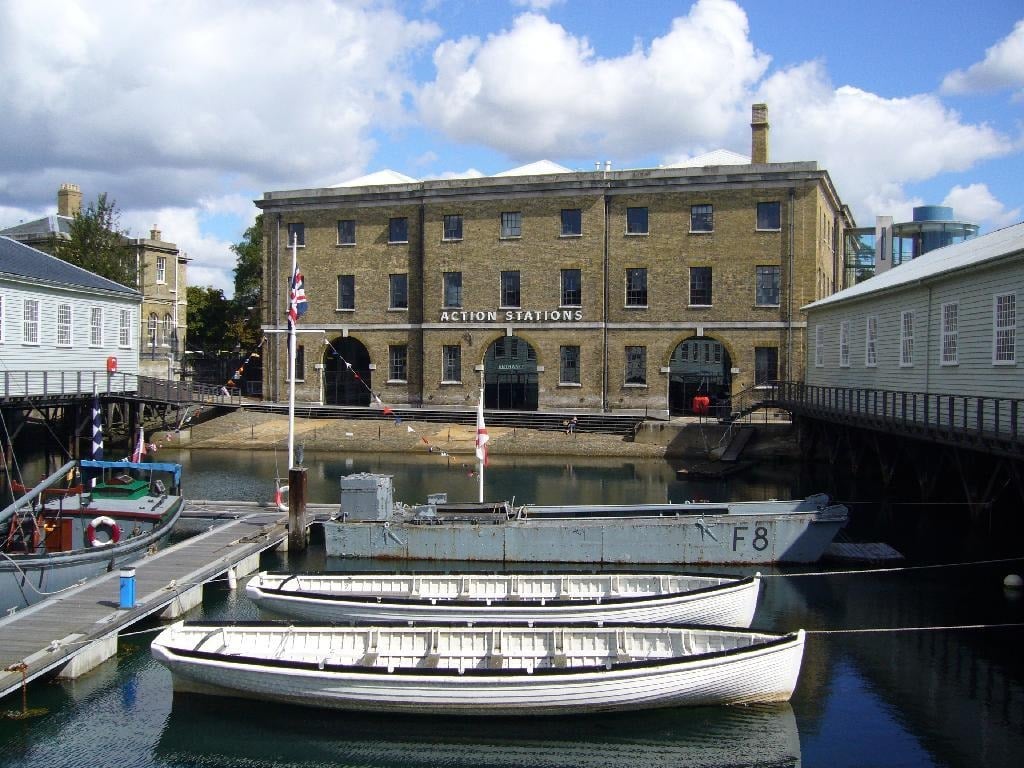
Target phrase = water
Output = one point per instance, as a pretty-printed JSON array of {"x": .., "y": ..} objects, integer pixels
[{"x": 937, "y": 698}]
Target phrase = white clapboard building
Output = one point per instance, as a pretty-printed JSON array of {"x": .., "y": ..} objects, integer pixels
[{"x": 62, "y": 328}]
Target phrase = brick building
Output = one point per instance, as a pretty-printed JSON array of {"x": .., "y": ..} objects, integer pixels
[{"x": 597, "y": 290}]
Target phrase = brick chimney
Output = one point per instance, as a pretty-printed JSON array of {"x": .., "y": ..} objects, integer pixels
[
  {"x": 759, "y": 134},
  {"x": 154, "y": 233},
  {"x": 69, "y": 200}
]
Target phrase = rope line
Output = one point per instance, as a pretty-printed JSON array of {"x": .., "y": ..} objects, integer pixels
[
  {"x": 883, "y": 630},
  {"x": 895, "y": 569}
]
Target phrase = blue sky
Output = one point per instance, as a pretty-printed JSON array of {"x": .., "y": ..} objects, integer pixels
[{"x": 185, "y": 112}]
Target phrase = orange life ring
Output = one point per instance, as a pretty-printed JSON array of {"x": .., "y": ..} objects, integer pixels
[
  {"x": 279, "y": 498},
  {"x": 107, "y": 524}
]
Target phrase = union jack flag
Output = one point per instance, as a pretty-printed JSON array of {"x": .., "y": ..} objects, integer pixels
[{"x": 297, "y": 304}]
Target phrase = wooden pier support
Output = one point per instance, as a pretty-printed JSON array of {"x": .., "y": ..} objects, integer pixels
[{"x": 298, "y": 530}]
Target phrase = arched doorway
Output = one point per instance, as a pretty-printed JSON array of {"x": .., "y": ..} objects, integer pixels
[
  {"x": 346, "y": 373},
  {"x": 700, "y": 365},
  {"x": 510, "y": 375}
]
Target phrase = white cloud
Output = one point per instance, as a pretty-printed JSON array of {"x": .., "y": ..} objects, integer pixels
[
  {"x": 1002, "y": 67},
  {"x": 870, "y": 145},
  {"x": 976, "y": 203},
  {"x": 686, "y": 88},
  {"x": 537, "y": 5},
  {"x": 469, "y": 173},
  {"x": 172, "y": 104}
]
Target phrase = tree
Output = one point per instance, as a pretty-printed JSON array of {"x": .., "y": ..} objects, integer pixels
[
  {"x": 209, "y": 312},
  {"x": 96, "y": 243},
  {"x": 248, "y": 309}
]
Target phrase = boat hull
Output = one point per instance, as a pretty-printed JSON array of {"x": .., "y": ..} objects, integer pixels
[
  {"x": 29, "y": 579},
  {"x": 591, "y": 682},
  {"x": 752, "y": 539},
  {"x": 627, "y": 598}
]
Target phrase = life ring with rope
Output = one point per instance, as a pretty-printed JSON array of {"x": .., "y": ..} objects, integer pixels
[
  {"x": 279, "y": 498},
  {"x": 105, "y": 524}
]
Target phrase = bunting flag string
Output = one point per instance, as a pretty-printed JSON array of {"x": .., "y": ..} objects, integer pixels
[
  {"x": 236, "y": 378},
  {"x": 388, "y": 411}
]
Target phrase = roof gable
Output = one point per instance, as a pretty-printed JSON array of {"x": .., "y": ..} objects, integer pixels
[{"x": 20, "y": 260}]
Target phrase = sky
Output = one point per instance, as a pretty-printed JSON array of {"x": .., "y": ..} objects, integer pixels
[{"x": 185, "y": 111}]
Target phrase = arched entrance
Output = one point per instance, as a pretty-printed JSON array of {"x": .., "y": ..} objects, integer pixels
[
  {"x": 510, "y": 375},
  {"x": 700, "y": 365},
  {"x": 346, "y": 373}
]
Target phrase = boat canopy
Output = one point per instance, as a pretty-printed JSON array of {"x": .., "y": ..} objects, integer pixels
[{"x": 149, "y": 466}]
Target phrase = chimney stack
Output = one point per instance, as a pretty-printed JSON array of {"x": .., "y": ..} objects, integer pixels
[
  {"x": 69, "y": 200},
  {"x": 759, "y": 134},
  {"x": 154, "y": 233}
]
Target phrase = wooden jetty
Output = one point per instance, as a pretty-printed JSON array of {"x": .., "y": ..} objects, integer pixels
[{"x": 74, "y": 631}]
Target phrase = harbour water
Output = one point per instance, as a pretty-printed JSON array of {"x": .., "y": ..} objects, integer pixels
[{"x": 908, "y": 698}]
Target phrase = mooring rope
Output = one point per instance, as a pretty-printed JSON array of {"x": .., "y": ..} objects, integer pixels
[
  {"x": 894, "y": 569},
  {"x": 883, "y": 630}
]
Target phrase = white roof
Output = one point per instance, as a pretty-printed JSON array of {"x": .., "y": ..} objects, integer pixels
[
  {"x": 379, "y": 178},
  {"x": 717, "y": 157},
  {"x": 969, "y": 253},
  {"x": 536, "y": 169}
]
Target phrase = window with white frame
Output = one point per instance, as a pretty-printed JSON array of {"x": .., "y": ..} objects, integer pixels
[
  {"x": 950, "y": 334},
  {"x": 819, "y": 347},
  {"x": 766, "y": 293},
  {"x": 151, "y": 330},
  {"x": 844, "y": 344},
  {"x": 1004, "y": 329},
  {"x": 124, "y": 333},
  {"x": 398, "y": 356},
  {"x": 906, "y": 338},
  {"x": 63, "y": 325},
  {"x": 451, "y": 362},
  {"x": 511, "y": 224},
  {"x": 30, "y": 322},
  {"x": 96, "y": 327},
  {"x": 168, "y": 339},
  {"x": 569, "y": 364},
  {"x": 871, "y": 342},
  {"x": 161, "y": 270},
  {"x": 636, "y": 365}
]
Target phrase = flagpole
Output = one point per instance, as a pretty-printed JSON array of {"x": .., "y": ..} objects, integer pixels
[
  {"x": 480, "y": 455},
  {"x": 291, "y": 358}
]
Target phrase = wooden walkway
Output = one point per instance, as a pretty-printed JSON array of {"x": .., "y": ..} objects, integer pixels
[{"x": 77, "y": 629}]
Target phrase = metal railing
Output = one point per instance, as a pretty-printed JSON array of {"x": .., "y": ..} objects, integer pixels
[
  {"x": 962, "y": 418},
  {"x": 19, "y": 384}
]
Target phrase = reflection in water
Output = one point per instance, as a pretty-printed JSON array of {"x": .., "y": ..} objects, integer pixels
[{"x": 241, "y": 733}]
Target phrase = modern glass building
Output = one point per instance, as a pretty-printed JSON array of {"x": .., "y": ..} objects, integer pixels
[{"x": 871, "y": 250}]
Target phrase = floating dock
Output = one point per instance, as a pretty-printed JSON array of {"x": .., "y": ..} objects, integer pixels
[{"x": 77, "y": 629}]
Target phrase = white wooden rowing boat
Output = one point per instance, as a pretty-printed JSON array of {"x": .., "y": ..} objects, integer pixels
[
  {"x": 482, "y": 669},
  {"x": 641, "y": 598}
]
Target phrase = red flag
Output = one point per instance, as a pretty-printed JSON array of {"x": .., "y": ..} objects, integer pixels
[{"x": 481, "y": 433}]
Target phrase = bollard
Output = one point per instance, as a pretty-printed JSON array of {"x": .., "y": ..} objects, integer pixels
[{"x": 127, "y": 588}]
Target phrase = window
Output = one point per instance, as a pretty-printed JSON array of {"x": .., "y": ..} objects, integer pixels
[
  {"x": 636, "y": 221},
  {"x": 398, "y": 356},
  {"x": 572, "y": 222},
  {"x": 702, "y": 218},
  {"x": 819, "y": 347},
  {"x": 151, "y": 330},
  {"x": 769, "y": 216},
  {"x": 766, "y": 365},
  {"x": 569, "y": 365},
  {"x": 451, "y": 362},
  {"x": 950, "y": 332},
  {"x": 300, "y": 362},
  {"x": 398, "y": 230},
  {"x": 96, "y": 327},
  {"x": 30, "y": 322},
  {"x": 907, "y": 338},
  {"x": 572, "y": 288},
  {"x": 453, "y": 289},
  {"x": 63, "y": 325},
  {"x": 510, "y": 289},
  {"x": 168, "y": 330},
  {"x": 844, "y": 344},
  {"x": 636, "y": 365},
  {"x": 767, "y": 291},
  {"x": 161, "y": 269},
  {"x": 124, "y": 331},
  {"x": 511, "y": 224},
  {"x": 636, "y": 287},
  {"x": 700, "y": 286},
  {"x": 399, "y": 291},
  {"x": 297, "y": 235},
  {"x": 453, "y": 226},
  {"x": 346, "y": 292},
  {"x": 347, "y": 232},
  {"x": 870, "y": 341},
  {"x": 1004, "y": 338}
]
